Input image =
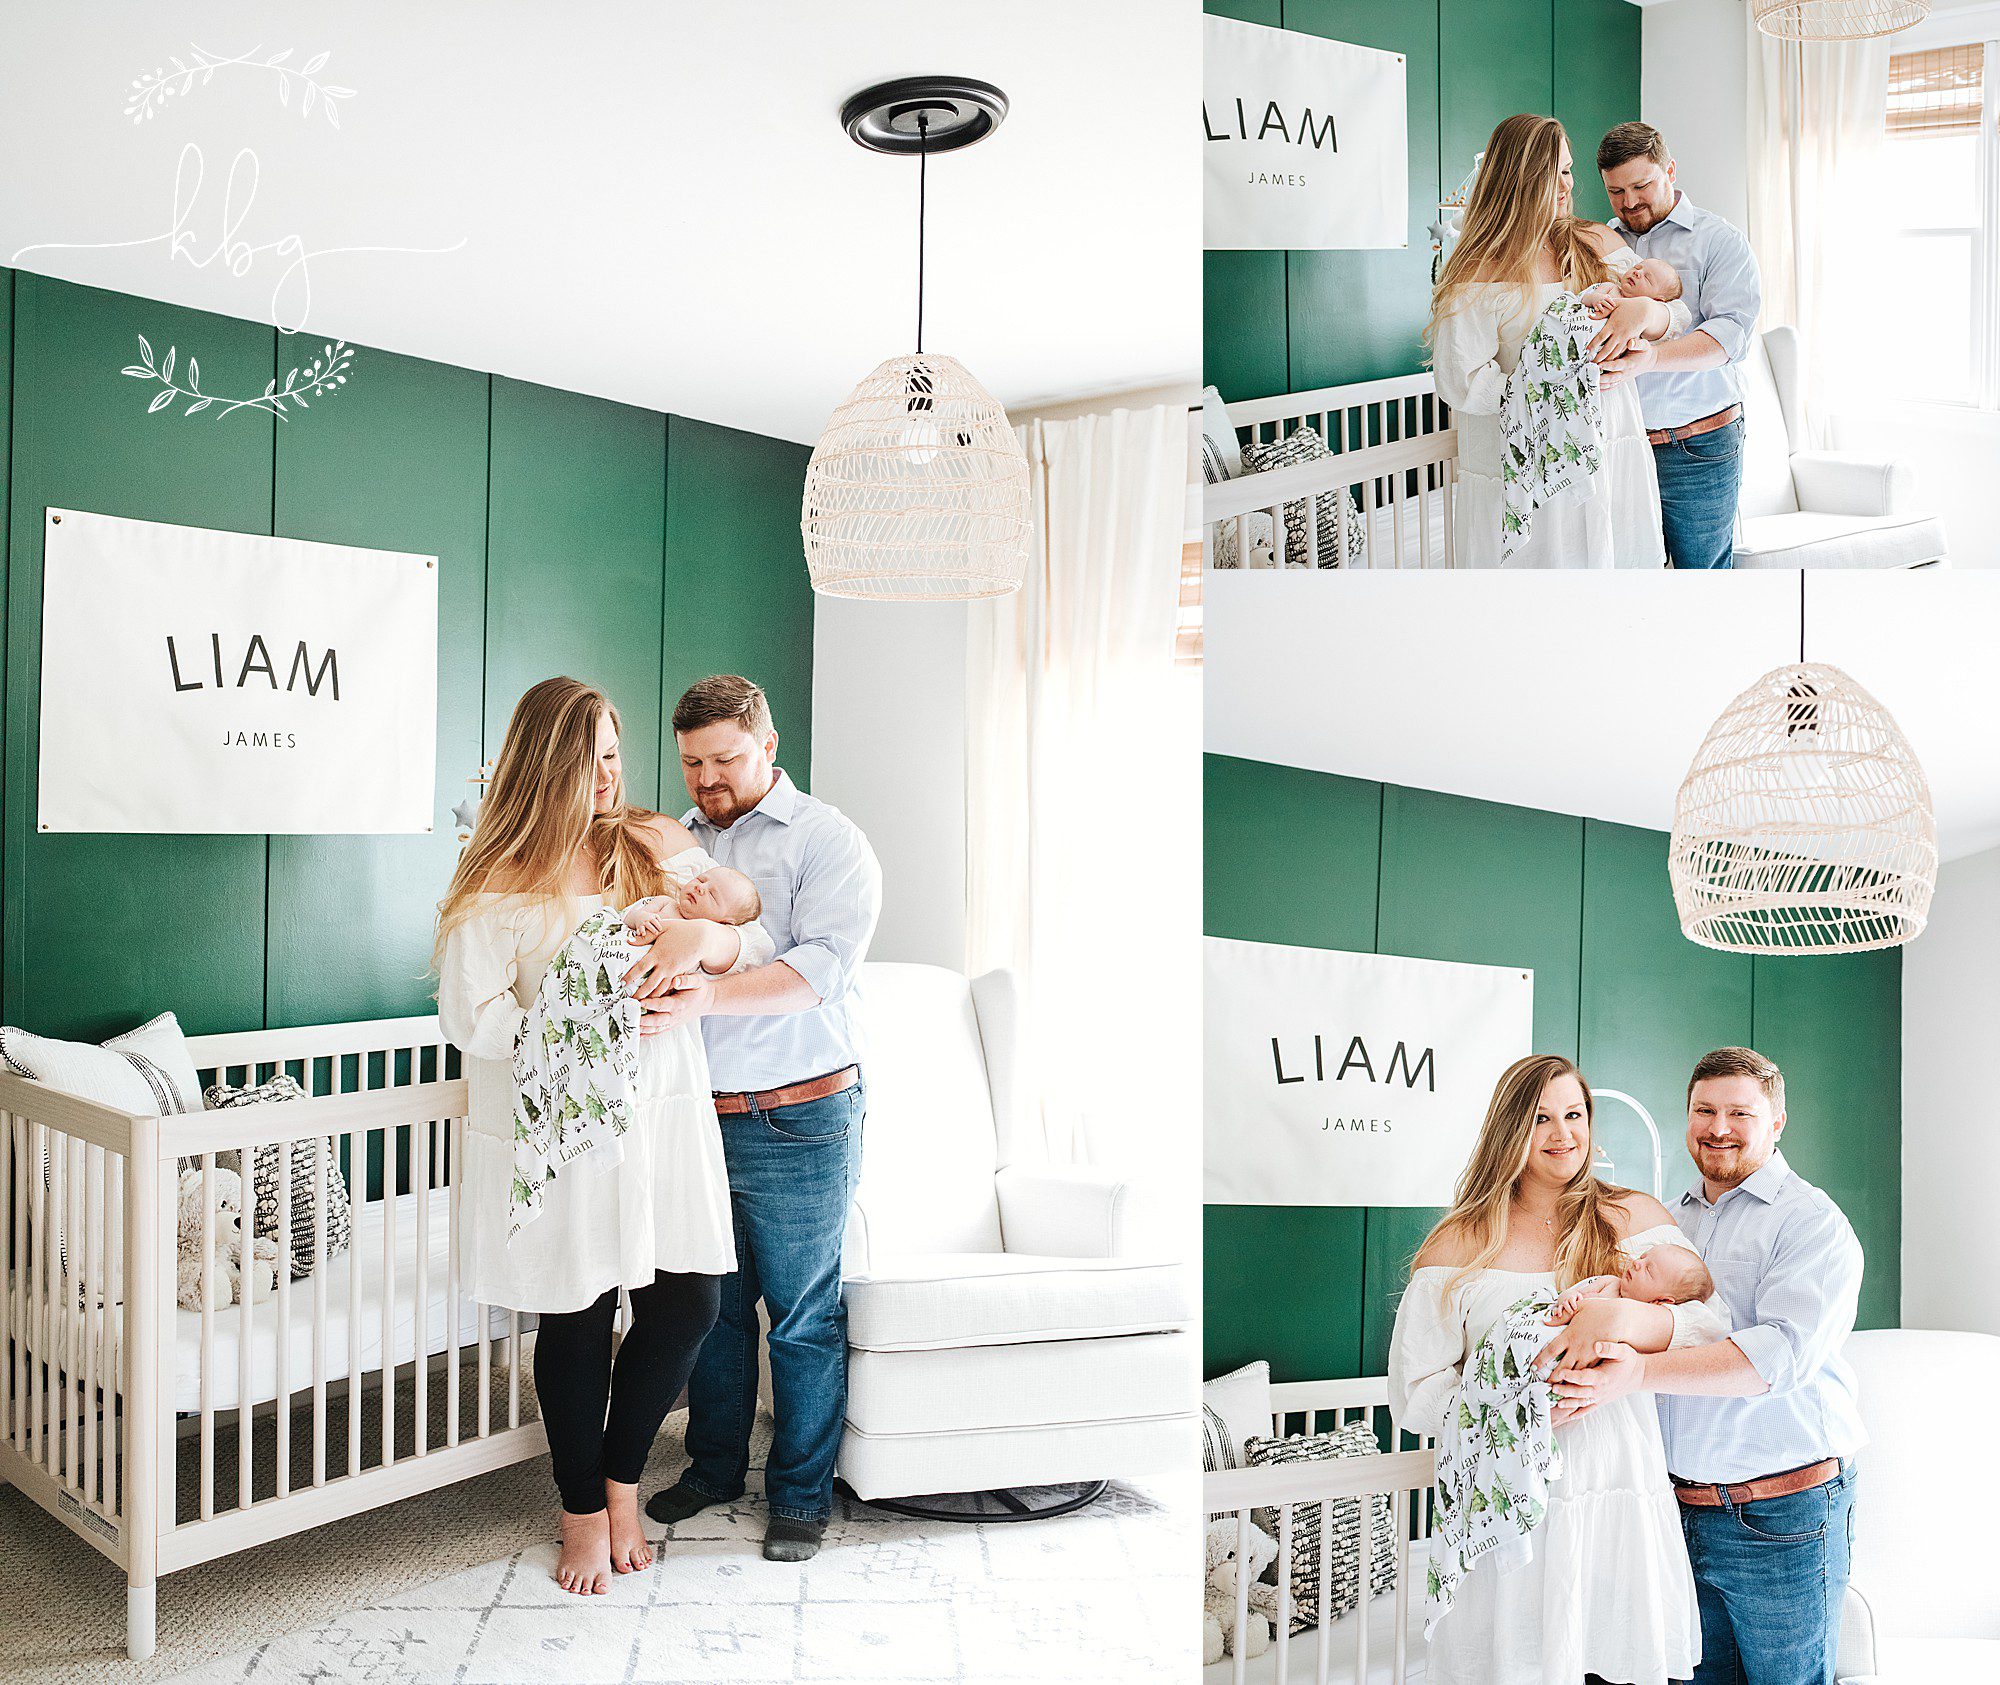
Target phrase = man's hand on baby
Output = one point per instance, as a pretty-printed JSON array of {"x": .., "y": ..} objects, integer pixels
[{"x": 691, "y": 996}]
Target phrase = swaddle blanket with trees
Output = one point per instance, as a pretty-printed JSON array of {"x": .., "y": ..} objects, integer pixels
[
  {"x": 576, "y": 1062},
  {"x": 1551, "y": 419},
  {"x": 1497, "y": 1456}
]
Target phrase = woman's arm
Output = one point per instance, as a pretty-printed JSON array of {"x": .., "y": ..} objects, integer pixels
[
  {"x": 686, "y": 945},
  {"x": 476, "y": 1006},
  {"x": 1465, "y": 358}
]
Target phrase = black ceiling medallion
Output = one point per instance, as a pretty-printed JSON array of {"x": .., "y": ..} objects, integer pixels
[{"x": 923, "y": 114}]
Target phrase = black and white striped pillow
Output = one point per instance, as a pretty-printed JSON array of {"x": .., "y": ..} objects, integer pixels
[
  {"x": 1303, "y": 444},
  {"x": 1342, "y": 1524},
  {"x": 266, "y": 1181}
]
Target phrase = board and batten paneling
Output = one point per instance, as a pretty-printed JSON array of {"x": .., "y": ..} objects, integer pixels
[
  {"x": 733, "y": 555},
  {"x": 550, "y": 513},
  {"x": 1295, "y": 321},
  {"x": 103, "y": 932},
  {"x": 576, "y": 533},
  {"x": 343, "y": 478},
  {"x": 1324, "y": 861}
]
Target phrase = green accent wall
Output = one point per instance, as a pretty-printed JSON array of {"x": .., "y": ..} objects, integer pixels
[
  {"x": 1294, "y": 321},
  {"x": 1316, "y": 860},
  {"x": 633, "y": 549}
]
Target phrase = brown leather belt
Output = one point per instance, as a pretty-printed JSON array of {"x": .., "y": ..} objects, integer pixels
[
  {"x": 1694, "y": 429},
  {"x": 796, "y": 1094},
  {"x": 1765, "y": 1486}
]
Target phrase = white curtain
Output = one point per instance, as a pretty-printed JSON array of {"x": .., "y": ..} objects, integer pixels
[
  {"x": 1083, "y": 845},
  {"x": 1816, "y": 117}
]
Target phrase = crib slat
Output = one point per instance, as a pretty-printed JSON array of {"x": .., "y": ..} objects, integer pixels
[
  {"x": 41, "y": 1407},
  {"x": 283, "y": 1386},
  {"x": 513, "y": 1369},
  {"x": 454, "y": 1159},
  {"x": 246, "y": 1290},
  {"x": 388, "y": 1281},
  {"x": 357, "y": 1161},
  {"x": 420, "y": 1181},
  {"x": 320, "y": 1265},
  {"x": 1240, "y": 1663},
  {"x": 93, "y": 1201},
  {"x": 10, "y": 1383},
  {"x": 1364, "y": 1509},
  {"x": 69, "y": 1268},
  {"x": 109, "y": 1320},
  {"x": 1325, "y": 1658},
  {"x": 1284, "y": 1634},
  {"x": 208, "y": 1290},
  {"x": 485, "y": 1409},
  {"x": 1400, "y": 1522}
]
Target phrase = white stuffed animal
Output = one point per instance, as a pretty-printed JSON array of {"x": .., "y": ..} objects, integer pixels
[
  {"x": 228, "y": 1231},
  {"x": 1218, "y": 1635}
]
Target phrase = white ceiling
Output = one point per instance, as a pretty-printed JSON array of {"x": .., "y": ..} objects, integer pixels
[
  {"x": 1588, "y": 693},
  {"x": 656, "y": 201}
]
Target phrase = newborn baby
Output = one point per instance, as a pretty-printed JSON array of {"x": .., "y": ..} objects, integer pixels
[
  {"x": 1648, "y": 278},
  {"x": 1658, "y": 1300},
  {"x": 721, "y": 894}
]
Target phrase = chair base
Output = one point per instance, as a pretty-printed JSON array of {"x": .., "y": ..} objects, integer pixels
[{"x": 1000, "y": 1504}]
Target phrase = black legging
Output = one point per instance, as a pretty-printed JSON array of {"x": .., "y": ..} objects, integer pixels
[{"x": 575, "y": 1379}]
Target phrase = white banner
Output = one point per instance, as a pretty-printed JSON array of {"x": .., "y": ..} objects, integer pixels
[
  {"x": 1306, "y": 142},
  {"x": 197, "y": 681},
  {"x": 1349, "y": 1079}
]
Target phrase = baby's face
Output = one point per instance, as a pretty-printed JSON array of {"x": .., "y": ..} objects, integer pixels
[
  {"x": 718, "y": 894},
  {"x": 1655, "y": 1277},
  {"x": 1650, "y": 278}
]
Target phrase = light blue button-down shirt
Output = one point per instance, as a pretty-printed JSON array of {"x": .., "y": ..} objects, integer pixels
[
  {"x": 822, "y": 891},
  {"x": 1720, "y": 286},
  {"x": 1787, "y": 1269}
]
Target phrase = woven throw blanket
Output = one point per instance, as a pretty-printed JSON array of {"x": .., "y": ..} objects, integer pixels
[
  {"x": 1551, "y": 420},
  {"x": 576, "y": 1062},
  {"x": 1497, "y": 1455}
]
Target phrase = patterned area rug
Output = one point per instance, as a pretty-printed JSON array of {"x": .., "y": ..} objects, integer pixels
[{"x": 1106, "y": 1595}]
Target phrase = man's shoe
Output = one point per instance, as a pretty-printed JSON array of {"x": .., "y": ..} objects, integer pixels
[
  {"x": 788, "y": 1539},
  {"x": 677, "y": 1502}
]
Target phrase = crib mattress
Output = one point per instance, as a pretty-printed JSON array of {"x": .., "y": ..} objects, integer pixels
[
  {"x": 1303, "y": 1664},
  {"x": 364, "y": 1256}
]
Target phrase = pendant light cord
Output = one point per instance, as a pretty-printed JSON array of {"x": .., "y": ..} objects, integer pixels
[{"x": 923, "y": 162}]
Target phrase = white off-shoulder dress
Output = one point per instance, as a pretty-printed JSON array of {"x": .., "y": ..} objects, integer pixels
[
  {"x": 1476, "y": 348},
  {"x": 609, "y": 1220},
  {"x": 1608, "y": 1589}
]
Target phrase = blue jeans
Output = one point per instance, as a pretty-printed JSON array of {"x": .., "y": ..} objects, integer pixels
[
  {"x": 1770, "y": 1578},
  {"x": 1699, "y": 482},
  {"x": 792, "y": 1173}
]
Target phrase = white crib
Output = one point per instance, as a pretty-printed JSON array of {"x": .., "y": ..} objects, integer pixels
[
  {"x": 1382, "y": 1642},
  {"x": 1395, "y": 451},
  {"x": 109, "y": 1390}
]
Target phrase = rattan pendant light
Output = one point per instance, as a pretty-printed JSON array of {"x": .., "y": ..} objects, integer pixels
[
  {"x": 918, "y": 488},
  {"x": 1805, "y": 824},
  {"x": 1838, "y": 20}
]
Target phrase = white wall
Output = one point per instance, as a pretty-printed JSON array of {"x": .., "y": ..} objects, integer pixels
[
  {"x": 889, "y": 751},
  {"x": 1694, "y": 88},
  {"x": 1951, "y": 1103}
]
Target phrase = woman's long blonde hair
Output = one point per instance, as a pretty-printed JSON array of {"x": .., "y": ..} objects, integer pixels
[
  {"x": 1586, "y": 1239},
  {"x": 1511, "y": 215},
  {"x": 540, "y": 808}
]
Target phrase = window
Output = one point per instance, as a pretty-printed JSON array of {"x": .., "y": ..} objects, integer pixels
[
  {"x": 1942, "y": 154},
  {"x": 1187, "y": 624}
]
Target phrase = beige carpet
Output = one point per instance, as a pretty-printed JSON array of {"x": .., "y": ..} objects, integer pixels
[{"x": 62, "y": 1606}]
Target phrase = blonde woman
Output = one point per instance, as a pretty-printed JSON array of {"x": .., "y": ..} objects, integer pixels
[
  {"x": 556, "y": 840},
  {"x": 1608, "y": 1592},
  {"x": 1521, "y": 246}
]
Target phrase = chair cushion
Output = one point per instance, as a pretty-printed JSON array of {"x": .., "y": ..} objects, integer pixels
[
  {"x": 1036, "y": 1384},
  {"x": 1806, "y": 539},
  {"x": 919, "y": 1301}
]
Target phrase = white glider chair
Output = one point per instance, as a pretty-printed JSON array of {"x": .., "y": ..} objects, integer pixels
[
  {"x": 1005, "y": 1327},
  {"x": 1924, "y": 1604},
  {"x": 1819, "y": 509}
]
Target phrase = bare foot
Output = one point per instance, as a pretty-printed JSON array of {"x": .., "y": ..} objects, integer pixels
[
  {"x": 584, "y": 1566},
  {"x": 629, "y": 1549}
]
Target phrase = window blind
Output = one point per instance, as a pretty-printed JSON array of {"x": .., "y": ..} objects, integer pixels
[
  {"x": 1187, "y": 627},
  {"x": 1937, "y": 92}
]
